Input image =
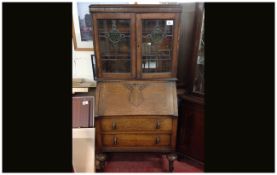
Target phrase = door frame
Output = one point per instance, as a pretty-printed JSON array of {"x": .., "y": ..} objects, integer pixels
[
  {"x": 169, "y": 16},
  {"x": 109, "y": 16}
]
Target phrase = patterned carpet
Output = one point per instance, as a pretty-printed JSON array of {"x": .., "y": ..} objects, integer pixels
[{"x": 146, "y": 162}]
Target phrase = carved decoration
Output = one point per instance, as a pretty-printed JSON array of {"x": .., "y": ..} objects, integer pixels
[{"x": 135, "y": 93}]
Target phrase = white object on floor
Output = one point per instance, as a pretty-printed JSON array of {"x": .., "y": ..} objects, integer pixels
[{"x": 83, "y": 145}]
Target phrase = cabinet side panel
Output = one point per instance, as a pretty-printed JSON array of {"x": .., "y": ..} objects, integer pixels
[{"x": 98, "y": 139}]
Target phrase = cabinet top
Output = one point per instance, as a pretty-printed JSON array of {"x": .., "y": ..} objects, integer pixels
[{"x": 135, "y": 8}]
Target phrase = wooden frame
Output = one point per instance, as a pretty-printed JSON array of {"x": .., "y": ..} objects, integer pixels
[
  {"x": 128, "y": 16},
  {"x": 172, "y": 16},
  {"x": 79, "y": 45}
]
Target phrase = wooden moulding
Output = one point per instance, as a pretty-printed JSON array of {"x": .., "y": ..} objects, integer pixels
[{"x": 131, "y": 8}]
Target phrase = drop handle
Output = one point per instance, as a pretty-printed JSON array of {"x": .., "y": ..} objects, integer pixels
[
  {"x": 157, "y": 140},
  {"x": 115, "y": 140},
  {"x": 113, "y": 125},
  {"x": 158, "y": 125}
]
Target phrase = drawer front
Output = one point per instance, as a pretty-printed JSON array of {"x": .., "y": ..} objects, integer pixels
[
  {"x": 136, "y": 140},
  {"x": 136, "y": 124}
]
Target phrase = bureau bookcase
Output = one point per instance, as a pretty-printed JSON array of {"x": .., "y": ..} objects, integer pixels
[{"x": 136, "y": 49}]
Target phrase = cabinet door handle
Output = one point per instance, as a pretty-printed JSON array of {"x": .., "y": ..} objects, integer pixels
[
  {"x": 158, "y": 125},
  {"x": 157, "y": 140},
  {"x": 113, "y": 125},
  {"x": 115, "y": 140}
]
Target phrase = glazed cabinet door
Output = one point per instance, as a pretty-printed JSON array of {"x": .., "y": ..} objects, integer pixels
[
  {"x": 157, "y": 45},
  {"x": 114, "y": 37}
]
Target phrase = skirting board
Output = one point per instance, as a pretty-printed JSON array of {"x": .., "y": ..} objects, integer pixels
[
  {"x": 74, "y": 90},
  {"x": 83, "y": 145}
]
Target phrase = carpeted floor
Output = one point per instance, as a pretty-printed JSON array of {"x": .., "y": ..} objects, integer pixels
[{"x": 146, "y": 162}]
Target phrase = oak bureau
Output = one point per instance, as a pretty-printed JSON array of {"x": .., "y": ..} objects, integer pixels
[{"x": 136, "y": 49}]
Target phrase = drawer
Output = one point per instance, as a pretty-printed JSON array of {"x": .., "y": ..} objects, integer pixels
[
  {"x": 136, "y": 124},
  {"x": 136, "y": 140}
]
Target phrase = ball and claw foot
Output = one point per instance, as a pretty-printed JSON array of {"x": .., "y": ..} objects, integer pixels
[
  {"x": 171, "y": 158},
  {"x": 101, "y": 158}
]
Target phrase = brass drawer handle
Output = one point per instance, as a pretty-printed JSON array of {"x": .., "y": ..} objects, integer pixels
[
  {"x": 113, "y": 125},
  {"x": 157, "y": 140},
  {"x": 115, "y": 140},
  {"x": 158, "y": 125}
]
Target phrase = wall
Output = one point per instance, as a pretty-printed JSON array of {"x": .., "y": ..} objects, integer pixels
[
  {"x": 81, "y": 65},
  {"x": 186, "y": 42}
]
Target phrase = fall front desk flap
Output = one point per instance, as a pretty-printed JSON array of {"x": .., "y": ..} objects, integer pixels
[{"x": 136, "y": 98}]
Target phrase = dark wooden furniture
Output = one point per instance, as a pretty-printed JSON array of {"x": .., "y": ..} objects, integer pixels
[
  {"x": 191, "y": 103},
  {"x": 191, "y": 128},
  {"x": 136, "y": 48},
  {"x": 82, "y": 111}
]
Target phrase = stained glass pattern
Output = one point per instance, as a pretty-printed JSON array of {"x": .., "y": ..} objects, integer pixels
[{"x": 157, "y": 42}]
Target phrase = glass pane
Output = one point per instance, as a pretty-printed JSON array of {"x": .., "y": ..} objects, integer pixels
[
  {"x": 114, "y": 38},
  {"x": 157, "y": 42},
  {"x": 198, "y": 84}
]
